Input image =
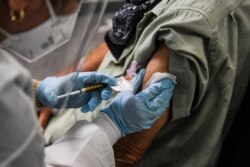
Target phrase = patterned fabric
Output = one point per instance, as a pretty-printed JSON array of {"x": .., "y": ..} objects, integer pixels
[{"x": 124, "y": 24}]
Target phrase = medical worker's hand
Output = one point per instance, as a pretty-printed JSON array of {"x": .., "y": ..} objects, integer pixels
[
  {"x": 134, "y": 112},
  {"x": 51, "y": 87}
]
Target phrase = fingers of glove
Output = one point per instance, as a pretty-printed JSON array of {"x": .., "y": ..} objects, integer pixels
[
  {"x": 85, "y": 108},
  {"x": 161, "y": 110},
  {"x": 85, "y": 103},
  {"x": 95, "y": 100},
  {"x": 106, "y": 93},
  {"x": 137, "y": 80},
  {"x": 150, "y": 92},
  {"x": 88, "y": 78},
  {"x": 165, "y": 105},
  {"x": 154, "y": 89},
  {"x": 156, "y": 102},
  {"x": 161, "y": 102},
  {"x": 163, "y": 93}
]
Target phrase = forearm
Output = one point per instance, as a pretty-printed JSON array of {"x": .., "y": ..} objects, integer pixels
[
  {"x": 94, "y": 58},
  {"x": 130, "y": 149},
  {"x": 158, "y": 63}
]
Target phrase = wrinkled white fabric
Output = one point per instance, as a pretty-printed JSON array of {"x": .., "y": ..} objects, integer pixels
[{"x": 85, "y": 144}]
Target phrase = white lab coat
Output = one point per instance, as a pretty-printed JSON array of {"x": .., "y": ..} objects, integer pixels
[{"x": 21, "y": 143}]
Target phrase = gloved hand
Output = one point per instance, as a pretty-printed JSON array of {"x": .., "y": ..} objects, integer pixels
[
  {"x": 135, "y": 112},
  {"x": 51, "y": 87}
]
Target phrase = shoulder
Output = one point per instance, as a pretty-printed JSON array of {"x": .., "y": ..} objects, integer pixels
[{"x": 212, "y": 11}]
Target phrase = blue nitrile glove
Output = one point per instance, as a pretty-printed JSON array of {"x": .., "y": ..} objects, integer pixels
[
  {"x": 51, "y": 87},
  {"x": 135, "y": 112}
]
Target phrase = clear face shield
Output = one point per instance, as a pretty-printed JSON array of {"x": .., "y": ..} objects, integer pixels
[{"x": 56, "y": 46}]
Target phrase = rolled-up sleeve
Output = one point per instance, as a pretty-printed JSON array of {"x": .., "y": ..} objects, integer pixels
[{"x": 189, "y": 35}]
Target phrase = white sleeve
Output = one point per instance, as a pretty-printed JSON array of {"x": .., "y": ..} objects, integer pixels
[
  {"x": 85, "y": 144},
  {"x": 21, "y": 141}
]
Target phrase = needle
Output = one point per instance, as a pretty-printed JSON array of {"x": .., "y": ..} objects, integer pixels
[{"x": 83, "y": 90}]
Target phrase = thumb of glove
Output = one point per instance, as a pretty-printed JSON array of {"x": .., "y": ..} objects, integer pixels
[{"x": 137, "y": 80}]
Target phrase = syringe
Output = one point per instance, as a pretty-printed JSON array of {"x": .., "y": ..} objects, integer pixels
[
  {"x": 121, "y": 85},
  {"x": 83, "y": 90}
]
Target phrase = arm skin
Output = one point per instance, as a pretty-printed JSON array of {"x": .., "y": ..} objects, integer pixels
[
  {"x": 129, "y": 149},
  {"x": 94, "y": 58}
]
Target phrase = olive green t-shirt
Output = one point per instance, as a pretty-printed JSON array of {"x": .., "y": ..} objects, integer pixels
[{"x": 210, "y": 56}]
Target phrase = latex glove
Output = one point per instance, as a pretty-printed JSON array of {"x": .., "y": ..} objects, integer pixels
[
  {"x": 135, "y": 112},
  {"x": 51, "y": 87}
]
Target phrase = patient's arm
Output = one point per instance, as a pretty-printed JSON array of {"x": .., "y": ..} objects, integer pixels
[
  {"x": 130, "y": 149},
  {"x": 94, "y": 58}
]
